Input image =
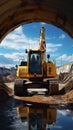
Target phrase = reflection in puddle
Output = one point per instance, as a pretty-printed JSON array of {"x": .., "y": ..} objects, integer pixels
[
  {"x": 16, "y": 115},
  {"x": 37, "y": 117}
]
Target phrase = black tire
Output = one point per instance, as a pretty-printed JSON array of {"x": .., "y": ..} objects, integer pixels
[{"x": 19, "y": 87}]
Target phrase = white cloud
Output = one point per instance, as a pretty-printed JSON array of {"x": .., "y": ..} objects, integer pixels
[
  {"x": 62, "y": 36},
  {"x": 42, "y": 23},
  {"x": 5, "y": 61},
  {"x": 17, "y": 40},
  {"x": 64, "y": 57},
  {"x": 51, "y": 47},
  {"x": 11, "y": 59}
]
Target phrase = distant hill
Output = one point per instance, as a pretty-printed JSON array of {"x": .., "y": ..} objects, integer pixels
[{"x": 6, "y": 71}]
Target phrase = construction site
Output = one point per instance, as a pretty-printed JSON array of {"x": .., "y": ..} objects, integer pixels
[
  {"x": 36, "y": 73},
  {"x": 53, "y": 12},
  {"x": 64, "y": 97},
  {"x": 37, "y": 94}
]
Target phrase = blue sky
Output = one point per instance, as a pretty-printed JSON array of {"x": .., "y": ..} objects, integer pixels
[{"x": 58, "y": 44}]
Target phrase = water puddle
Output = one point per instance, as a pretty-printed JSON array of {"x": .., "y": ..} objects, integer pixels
[{"x": 15, "y": 115}]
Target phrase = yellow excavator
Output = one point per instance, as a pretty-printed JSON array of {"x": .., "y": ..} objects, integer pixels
[{"x": 36, "y": 72}]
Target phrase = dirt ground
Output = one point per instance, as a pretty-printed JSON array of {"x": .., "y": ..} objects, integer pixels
[{"x": 61, "y": 99}]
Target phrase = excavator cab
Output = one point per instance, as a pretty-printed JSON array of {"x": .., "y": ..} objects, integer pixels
[{"x": 35, "y": 63}]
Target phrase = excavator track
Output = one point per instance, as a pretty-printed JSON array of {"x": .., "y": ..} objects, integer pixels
[{"x": 19, "y": 87}]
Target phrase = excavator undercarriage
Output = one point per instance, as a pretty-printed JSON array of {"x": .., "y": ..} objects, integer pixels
[{"x": 28, "y": 87}]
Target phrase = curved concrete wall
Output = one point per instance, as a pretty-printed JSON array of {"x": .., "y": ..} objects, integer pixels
[
  {"x": 13, "y": 13},
  {"x": 66, "y": 68}
]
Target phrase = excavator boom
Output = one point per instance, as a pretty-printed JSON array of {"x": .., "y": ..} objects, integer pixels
[{"x": 42, "y": 43}]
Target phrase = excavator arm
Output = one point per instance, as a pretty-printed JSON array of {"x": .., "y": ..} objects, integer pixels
[{"x": 42, "y": 43}]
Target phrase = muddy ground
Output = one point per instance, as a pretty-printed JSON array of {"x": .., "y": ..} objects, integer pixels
[{"x": 7, "y": 87}]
